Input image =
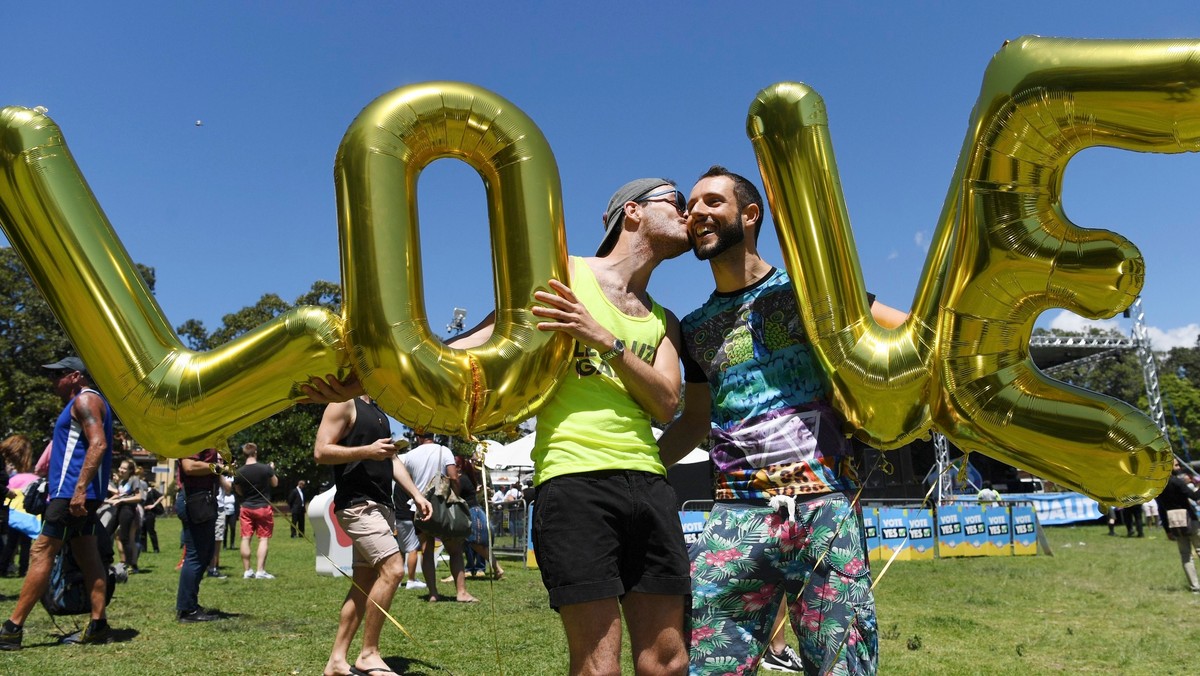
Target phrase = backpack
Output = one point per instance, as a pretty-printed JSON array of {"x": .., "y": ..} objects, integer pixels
[
  {"x": 68, "y": 593},
  {"x": 35, "y": 497}
]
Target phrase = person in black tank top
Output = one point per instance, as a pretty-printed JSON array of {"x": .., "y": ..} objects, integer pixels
[{"x": 355, "y": 438}]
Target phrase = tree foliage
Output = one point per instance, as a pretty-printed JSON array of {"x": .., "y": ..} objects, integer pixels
[
  {"x": 1120, "y": 375},
  {"x": 285, "y": 438},
  {"x": 30, "y": 336}
]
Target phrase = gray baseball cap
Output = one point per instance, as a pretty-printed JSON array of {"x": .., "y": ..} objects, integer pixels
[
  {"x": 67, "y": 364},
  {"x": 614, "y": 215}
]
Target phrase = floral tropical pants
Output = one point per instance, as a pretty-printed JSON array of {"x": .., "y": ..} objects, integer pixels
[{"x": 748, "y": 558}]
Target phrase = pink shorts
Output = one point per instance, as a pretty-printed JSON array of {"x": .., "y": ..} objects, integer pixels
[{"x": 258, "y": 520}]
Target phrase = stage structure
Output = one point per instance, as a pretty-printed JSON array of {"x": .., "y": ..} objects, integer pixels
[{"x": 1054, "y": 354}]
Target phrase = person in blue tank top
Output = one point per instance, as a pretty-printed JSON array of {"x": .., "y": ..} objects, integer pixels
[{"x": 80, "y": 469}]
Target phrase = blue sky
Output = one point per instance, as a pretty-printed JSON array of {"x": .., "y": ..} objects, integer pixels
[{"x": 244, "y": 204}]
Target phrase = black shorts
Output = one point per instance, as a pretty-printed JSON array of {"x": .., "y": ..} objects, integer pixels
[
  {"x": 600, "y": 535},
  {"x": 60, "y": 524}
]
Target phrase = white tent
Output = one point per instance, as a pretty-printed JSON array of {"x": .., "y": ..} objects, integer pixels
[{"x": 517, "y": 453}]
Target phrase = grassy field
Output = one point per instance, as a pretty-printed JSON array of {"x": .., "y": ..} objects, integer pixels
[{"x": 1100, "y": 605}]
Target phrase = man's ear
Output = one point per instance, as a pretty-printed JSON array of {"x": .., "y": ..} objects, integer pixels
[
  {"x": 631, "y": 208},
  {"x": 752, "y": 214}
]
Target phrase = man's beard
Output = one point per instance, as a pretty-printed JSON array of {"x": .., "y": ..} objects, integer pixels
[{"x": 728, "y": 235}]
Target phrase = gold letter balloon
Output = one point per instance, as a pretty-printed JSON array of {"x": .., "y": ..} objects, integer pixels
[
  {"x": 1004, "y": 252},
  {"x": 176, "y": 402},
  {"x": 412, "y": 374}
]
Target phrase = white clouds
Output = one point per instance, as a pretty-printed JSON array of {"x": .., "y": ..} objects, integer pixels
[
  {"x": 1069, "y": 321},
  {"x": 921, "y": 239},
  {"x": 1183, "y": 336},
  {"x": 1161, "y": 340},
  {"x": 893, "y": 255}
]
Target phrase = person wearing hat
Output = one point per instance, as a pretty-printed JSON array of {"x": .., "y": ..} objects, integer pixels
[
  {"x": 597, "y": 468},
  {"x": 80, "y": 470}
]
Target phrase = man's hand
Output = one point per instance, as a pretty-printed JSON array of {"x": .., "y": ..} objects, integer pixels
[
  {"x": 424, "y": 509},
  {"x": 571, "y": 317},
  {"x": 382, "y": 449},
  {"x": 330, "y": 390},
  {"x": 77, "y": 507}
]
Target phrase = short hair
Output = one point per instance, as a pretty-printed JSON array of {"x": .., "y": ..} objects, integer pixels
[
  {"x": 250, "y": 450},
  {"x": 745, "y": 192}
]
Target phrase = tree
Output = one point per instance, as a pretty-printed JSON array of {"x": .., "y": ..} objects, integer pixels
[
  {"x": 285, "y": 438},
  {"x": 30, "y": 336}
]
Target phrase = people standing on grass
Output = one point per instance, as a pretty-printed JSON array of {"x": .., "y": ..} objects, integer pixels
[
  {"x": 127, "y": 519},
  {"x": 297, "y": 502},
  {"x": 151, "y": 510},
  {"x": 17, "y": 454},
  {"x": 231, "y": 512},
  {"x": 477, "y": 542},
  {"x": 355, "y": 438},
  {"x": 426, "y": 463},
  {"x": 254, "y": 483},
  {"x": 407, "y": 538},
  {"x": 1177, "y": 511},
  {"x": 198, "y": 477}
]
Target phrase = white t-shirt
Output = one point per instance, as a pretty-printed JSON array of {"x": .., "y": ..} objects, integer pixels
[{"x": 427, "y": 462}]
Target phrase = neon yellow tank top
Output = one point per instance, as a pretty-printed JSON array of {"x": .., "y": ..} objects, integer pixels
[{"x": 593, "y": 423}]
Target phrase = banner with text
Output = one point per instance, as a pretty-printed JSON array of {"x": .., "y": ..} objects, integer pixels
[{"x": 1054, "y": 509}]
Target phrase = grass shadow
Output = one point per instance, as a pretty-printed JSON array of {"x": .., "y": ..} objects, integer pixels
[{"x": 413, "y": 667}]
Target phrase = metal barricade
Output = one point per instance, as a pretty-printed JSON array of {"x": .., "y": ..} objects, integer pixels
[{"x": 508, "y": 520}]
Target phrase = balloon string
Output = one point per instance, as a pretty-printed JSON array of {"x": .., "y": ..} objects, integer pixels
[
  {"x": 854, "y": 502},
  {"x": 217, "y": 469},
  {"x": 828, "y": 668},
  {"x": 487, "y": 524}
]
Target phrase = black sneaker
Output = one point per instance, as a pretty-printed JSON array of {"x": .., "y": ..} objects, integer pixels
[
  {"x": 786, "y": 661},
  {"x": 217, "y": 574},
  {"x": 10, "y": 636},
  {"x": 197, "y": 615},
  {"x": 91, "y": 634}
]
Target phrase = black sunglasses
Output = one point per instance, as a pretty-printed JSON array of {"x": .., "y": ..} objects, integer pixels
[{"x": 678, "y": 198}]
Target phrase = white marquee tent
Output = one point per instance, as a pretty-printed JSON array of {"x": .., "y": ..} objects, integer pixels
[{"x": 516, "y": 454}]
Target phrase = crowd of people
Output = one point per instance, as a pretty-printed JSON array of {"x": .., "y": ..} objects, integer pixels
[{"x": 784, "y": 540}]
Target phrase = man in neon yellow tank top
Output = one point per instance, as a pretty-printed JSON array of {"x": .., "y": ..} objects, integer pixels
[{"x": 605, "y": 525}]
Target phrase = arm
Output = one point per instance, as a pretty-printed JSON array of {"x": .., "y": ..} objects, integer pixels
[
  {"x": 690, "y": 428},
  {"x": 88, "y": 411},
  {"x": 402, "y": 477},
  {"x": 451, "y": 473},
  {"x": 655, "y": 387},
  {"x": 336, "y": 421},
  {"x": 887, "y": 317},
  {"x": 274, "y": 476},
  {"x": 193, "y": 467}
]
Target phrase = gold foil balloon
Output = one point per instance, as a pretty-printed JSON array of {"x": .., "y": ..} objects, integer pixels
[
  {"x": 1003, "y": 253},
  {"x": 177, "y": 402},
  {"x": 409, "y": 372},
  {"x": 174, "y": 401},
  {"x": 879, "y": 379}
]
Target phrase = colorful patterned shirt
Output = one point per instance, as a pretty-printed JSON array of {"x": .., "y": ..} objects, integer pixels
[{"x": 774, "y": 431}]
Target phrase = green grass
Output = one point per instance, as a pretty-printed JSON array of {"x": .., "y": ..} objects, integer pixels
[{"x": 1101, "y": 605}]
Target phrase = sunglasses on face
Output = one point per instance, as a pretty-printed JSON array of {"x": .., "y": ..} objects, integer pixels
[{"x": 676, "y": 197}]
